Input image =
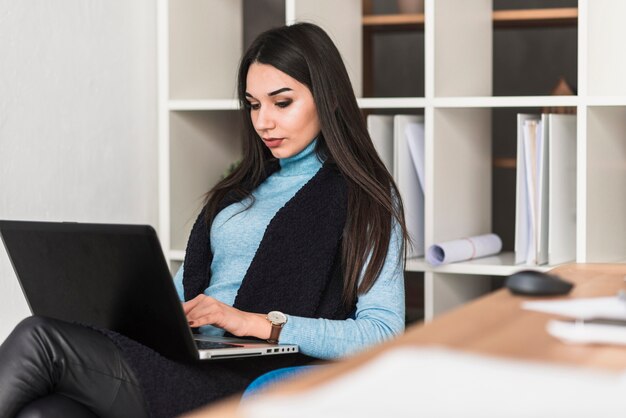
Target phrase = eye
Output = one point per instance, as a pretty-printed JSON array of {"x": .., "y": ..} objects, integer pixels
[
  {"x": 283, "y": 104},
  {"x": 253, "y": 106}
]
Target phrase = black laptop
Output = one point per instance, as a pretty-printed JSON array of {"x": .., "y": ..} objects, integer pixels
[{"x": 114, "y": 277}]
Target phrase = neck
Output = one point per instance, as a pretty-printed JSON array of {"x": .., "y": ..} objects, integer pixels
[{"x": 305, "y": 162}]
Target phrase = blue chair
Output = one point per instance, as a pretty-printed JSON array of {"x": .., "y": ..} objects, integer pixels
[{"x": 275, "y": 376}]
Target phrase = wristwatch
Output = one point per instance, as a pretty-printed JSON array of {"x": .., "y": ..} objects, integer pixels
[{"x": 277, "y": 319}]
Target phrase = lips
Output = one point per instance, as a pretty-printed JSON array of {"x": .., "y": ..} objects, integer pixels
[{"x": 273, "y": 142}]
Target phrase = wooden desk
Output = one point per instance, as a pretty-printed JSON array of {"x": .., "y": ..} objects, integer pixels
[{"x": 494, "y": 325}]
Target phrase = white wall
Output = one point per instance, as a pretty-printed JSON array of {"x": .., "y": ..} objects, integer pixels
[{"x": 78, "y": 137}]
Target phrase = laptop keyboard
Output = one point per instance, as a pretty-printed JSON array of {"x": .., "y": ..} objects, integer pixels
[{"x": 208, "y": 345}]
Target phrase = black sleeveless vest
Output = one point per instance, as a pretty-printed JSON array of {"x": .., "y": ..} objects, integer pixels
[{"x": 297, "y": 267}]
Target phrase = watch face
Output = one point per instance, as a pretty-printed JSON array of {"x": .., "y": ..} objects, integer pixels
[{"x": 276, "y": 317}]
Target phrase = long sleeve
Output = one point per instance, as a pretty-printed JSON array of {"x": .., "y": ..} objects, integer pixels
[
  {"x": 379, "y": 316},
  {"x": 178, "y": 283}
]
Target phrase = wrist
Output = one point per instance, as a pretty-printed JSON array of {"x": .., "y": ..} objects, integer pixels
[{"x": 261, "y": 327}]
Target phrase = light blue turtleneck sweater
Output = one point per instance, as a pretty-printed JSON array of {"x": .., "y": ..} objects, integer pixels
[{"x": 235, "y": 237}]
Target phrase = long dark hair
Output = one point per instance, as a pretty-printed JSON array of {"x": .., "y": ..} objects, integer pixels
[{"x": 306, "y": 53}]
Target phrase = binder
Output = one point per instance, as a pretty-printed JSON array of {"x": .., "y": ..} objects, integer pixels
[
  {"x": 523, "y": 221},
  {"x": 543, "y": 189},
  {"x": 545, "y": 217},
  {"x": 380, "y": 128},
  {"x": 406, "y": 175},
  {"x": 415, "y": 139},
  {"x": 562, "y": 186},
  {"x": 530, "y": 140}
]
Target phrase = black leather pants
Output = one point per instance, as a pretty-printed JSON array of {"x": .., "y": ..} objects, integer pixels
[{"x": 53, "y": 368}]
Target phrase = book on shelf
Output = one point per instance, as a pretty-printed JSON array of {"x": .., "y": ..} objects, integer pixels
[
  {"x": 545, "y": 217},
  {"x": 399, "y": 141},
  {"x": 562, "y": 186},
  {"x": 414, "y": 133},
  {"x": 408, "y": 168}
]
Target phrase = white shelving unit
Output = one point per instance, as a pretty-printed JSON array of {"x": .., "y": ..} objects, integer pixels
[{"x": 200, "y": 43}]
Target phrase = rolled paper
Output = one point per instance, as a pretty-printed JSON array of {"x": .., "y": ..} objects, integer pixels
[{"x": 464, "y": 249}]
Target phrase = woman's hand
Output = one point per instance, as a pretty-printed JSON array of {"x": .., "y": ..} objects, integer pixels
[{"x": 205, "y": 310}]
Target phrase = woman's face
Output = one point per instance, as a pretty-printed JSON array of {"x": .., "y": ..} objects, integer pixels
[{"x": 282, "y": 110}]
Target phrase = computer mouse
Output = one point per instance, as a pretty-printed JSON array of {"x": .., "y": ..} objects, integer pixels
[{"x": 536, "y": 283}]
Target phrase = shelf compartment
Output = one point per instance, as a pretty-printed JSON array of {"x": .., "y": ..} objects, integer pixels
[
  {"x": 201, "y": 64},
  {"x": 524, "y": 60},
  {"x": 444, "y": 292},
  {"x": 414, "y": 297},
  {"x": 459, "y": 180},
  {"x": 202, "y": 147},
  {"x": 393, "y": 63}
]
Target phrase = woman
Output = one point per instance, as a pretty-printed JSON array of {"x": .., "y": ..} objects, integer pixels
[{"x": 309, "y": 225}]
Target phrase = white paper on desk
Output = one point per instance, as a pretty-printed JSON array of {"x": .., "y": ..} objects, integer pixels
[
  {"x": 610, "y": 307},
  {"x": 431, "y": 382},
  {"x": 464, "y": 249},
  {"x": 578, "y": 332}
]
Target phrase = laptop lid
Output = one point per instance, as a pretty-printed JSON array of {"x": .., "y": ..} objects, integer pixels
[{"x": 109, "y": 276}]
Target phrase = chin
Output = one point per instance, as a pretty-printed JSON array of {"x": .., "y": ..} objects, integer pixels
[{"x": 282, "y": 152}]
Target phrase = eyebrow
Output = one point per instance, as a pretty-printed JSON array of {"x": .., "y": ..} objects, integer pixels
[{"x": 273, "y": 93}]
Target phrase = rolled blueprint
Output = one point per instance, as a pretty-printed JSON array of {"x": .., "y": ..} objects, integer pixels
[{"x": 463, "y": 249}]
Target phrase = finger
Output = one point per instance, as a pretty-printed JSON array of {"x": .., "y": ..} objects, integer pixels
[
  {"x": 201, "y": 321},
  {"x": 212, "y": 318},
  {"x": 201, "y": 310},
  {"x": 189, "y": 305},
  {"x": 207, "y": 306}
]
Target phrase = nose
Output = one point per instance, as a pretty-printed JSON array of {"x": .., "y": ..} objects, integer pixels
[{"x": 264, "y": 119}]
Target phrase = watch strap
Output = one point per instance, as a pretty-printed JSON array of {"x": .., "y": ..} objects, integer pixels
[{"x": 275, "y": 333}]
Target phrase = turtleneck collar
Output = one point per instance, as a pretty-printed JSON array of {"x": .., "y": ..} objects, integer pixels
[{"x": 305, "y": 162}]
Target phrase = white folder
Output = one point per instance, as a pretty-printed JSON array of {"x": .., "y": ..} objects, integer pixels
[
  {"x": 543, "y": 189},
  {"x": 415, "y": 138},
  {"x": 523, "y": 214},
  {"x": 406, "y": 175},
  {"x": 562, "y": 197},
  {"x": 545, "y": 220}
]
